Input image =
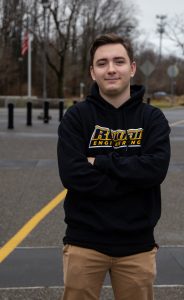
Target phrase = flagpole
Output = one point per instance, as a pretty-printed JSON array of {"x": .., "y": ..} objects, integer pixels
[
  {"x": 26, "y": 48},
  {"x": 29, "y": 66}
]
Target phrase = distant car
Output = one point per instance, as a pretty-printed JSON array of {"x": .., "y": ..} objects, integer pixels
[{"x": 159, "y": 94}]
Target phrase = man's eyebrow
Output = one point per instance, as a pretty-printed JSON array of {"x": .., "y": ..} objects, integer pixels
[
  {"x": 119, "y": 57},
  {"x": 114, "y": 58},
  {"x": 101, "y": 59}
]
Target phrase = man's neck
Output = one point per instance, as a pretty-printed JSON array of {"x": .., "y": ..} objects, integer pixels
[{"x": 116, "y": 100}]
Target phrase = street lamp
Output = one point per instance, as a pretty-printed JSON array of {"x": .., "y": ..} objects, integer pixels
[
  {"x": 161, "y": 30},
  {"x": 46, "y": 5}
]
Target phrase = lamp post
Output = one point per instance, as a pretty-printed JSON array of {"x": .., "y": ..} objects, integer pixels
[
  {"x": 161, "y": 30},
  {"x": 45, "y": 4}
]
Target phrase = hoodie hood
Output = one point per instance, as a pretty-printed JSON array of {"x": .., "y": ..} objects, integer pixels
[{"x": 136, "y": 92}]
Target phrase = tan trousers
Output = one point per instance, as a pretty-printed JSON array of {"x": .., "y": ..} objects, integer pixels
[{"x": 132, "y": 276}]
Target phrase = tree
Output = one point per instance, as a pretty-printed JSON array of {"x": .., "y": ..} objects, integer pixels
[
  {"x": 175, "y": 31},
  {"x": 10, "y": 38},
  {"x": 73, "y": 24},
  {"x": 71, "y": 27},
  {"x": 97, "y": 17},
  {"x": 64, "y": 20}
]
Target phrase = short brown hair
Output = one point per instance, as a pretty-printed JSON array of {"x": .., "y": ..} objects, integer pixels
[{"x": 111, "y": 38}]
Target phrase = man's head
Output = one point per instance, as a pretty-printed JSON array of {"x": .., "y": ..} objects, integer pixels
[
  {"x": 112, "y": 65},
  {"x": 111, "y": 38}
]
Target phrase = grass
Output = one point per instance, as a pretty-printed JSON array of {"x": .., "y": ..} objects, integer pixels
[{"x": 168, "y": 102}]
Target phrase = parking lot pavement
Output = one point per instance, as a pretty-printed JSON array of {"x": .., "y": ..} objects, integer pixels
[
  {"x": 29, "y": 179},
  {"x": 31, "y": 267}
]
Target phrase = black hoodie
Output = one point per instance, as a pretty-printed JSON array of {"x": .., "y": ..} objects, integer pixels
[{"x": 113, "y": 206}]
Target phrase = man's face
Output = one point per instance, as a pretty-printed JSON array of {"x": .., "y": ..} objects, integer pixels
[{"x": 112, "y": 70}]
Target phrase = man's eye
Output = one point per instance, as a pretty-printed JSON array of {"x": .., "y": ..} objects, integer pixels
[
  {"x": 119, "y": 62},
  {"x": 101, "y": 64}
]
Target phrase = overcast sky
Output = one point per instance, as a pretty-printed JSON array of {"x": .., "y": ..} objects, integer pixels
[{"x": 148, "y": 22}]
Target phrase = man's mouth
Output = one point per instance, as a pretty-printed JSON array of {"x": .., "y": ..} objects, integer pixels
[{"x": 111, "y": 79}]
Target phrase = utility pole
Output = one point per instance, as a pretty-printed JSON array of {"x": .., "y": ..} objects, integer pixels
[{"x": 161, "y": 31}]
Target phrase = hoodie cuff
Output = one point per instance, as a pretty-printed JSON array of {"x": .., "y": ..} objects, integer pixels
[{"x": 101, "y": 163}]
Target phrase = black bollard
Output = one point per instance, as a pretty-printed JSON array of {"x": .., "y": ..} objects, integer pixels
[
  {"x": 61, "y": 107},
  {"x": 29, "y": 113},
  {"x": 46, "y": 112},
  {"x": 10, "y": 115},
  {"x": 148, "y": 100}
]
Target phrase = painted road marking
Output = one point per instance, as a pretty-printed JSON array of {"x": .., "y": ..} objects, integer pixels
[
  {"x": 176, "y": 123},
  {"x": 30, "y": 225},
  {"x": 162, "y": 286}
]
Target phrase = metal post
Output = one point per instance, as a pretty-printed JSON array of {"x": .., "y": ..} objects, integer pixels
[
  {"x": 146, "y": 85},
  {"x": 44, "y": 58},
  {"x": 29, "y": 67},
  {"x": 46, "y": 112},
  {"x": 45, "y": 116},
  {"x": 45, "y": 4},
  {"x": 161, "y": 30},
  {"x": 10, "y": 116},
  {"x": 29, "y": 113},
  {"x": 61, "y": 108},
  {"x": 82, "y": 85},
  {"x": 172, "y": 90}
]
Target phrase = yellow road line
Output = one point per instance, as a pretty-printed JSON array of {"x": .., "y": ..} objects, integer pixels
[{"x": 30, "y": 225}]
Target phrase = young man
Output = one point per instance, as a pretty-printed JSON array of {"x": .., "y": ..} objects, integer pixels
[{"x": 113, "y": 154}]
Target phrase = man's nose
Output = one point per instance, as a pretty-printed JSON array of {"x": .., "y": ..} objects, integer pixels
[{"x": 111, "y": 67}]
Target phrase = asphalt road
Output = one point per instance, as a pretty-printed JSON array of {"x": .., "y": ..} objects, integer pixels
[{"x": 29, "y": 180}]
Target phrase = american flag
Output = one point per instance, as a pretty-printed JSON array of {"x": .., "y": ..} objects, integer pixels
[{"x": 24, "y": 47}]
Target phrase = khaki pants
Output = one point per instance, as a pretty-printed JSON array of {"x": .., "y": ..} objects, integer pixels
[{"x": 132, "y": 276}]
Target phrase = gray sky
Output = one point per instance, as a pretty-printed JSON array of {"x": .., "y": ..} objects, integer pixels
[{"x": 148, "y": 22}]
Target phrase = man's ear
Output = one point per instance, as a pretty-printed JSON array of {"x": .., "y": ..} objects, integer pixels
[
  {"x": 92, "y": 72},
  {"x": 133, "y": 68}
]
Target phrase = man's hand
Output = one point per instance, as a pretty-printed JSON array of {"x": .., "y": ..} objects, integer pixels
[{"x": 91, "y": 160}]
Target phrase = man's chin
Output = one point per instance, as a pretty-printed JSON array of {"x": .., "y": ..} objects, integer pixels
[{"x": 112, "y": 92}]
